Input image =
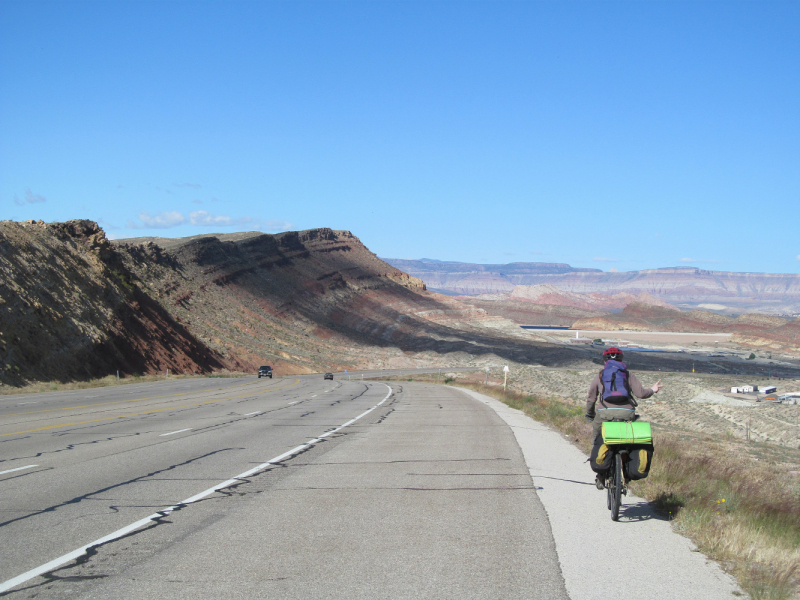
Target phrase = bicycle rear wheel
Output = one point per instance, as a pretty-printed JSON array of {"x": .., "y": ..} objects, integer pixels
[{"x": 615, "y": 491}]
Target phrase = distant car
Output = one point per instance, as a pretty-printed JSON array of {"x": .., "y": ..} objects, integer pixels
[
  {"x": 265, "y": 371},
  {"x": 328, "y": 376}
]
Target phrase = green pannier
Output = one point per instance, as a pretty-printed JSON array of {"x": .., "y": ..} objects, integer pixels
[{"x": 626, "y": 432}]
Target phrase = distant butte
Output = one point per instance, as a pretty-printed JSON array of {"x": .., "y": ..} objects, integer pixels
[{"x": 685, "y": 287}]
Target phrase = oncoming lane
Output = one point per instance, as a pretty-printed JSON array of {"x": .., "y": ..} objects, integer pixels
[{"x": 92, "y": 478}]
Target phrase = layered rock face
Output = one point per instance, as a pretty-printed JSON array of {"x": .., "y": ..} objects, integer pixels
[
  {"x": 74, "y": 305},
  {"x": 69, "y": 309},
  {"x": 687, "y": 287}
]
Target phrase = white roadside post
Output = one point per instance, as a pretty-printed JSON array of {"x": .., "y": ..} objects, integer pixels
[{"x": 505, "y": 377}]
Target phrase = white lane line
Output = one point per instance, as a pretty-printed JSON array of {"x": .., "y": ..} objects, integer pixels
[
  {"x": 295, "y": 402},
  {"x": 258, "y": 412},
  {"x": 18, "y": 469},
  {"x": 173, "y": 432},
  {"x": 57, "y": 562},
  {"x": 314, "y": 396},
  {"x": 24, "y": 403}
]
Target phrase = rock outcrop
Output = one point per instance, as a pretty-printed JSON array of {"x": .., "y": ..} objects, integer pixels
[
  {"x": 70, "y": 309},
  {"x": 74, "y": 305}
]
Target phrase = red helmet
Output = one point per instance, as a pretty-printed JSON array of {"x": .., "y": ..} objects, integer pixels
[{"x": 612, "y": 350}]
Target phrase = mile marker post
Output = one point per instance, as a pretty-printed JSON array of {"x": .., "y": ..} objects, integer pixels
[{"x": 505, "y": 377}]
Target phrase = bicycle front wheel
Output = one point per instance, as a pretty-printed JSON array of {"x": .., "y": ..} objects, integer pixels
[{"x": 615, "y": 491}]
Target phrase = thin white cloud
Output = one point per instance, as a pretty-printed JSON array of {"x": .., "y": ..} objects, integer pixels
[
  {"x": 698, "y": 260},
  {"x": 604, "y": 259},
  {"x": 798, "y": 257},
  {"x": 202, "y": 218},
  {"x": 613, "y": 270},
  {"x": 30, "y": 198},
  {"x": 163, "y": 220}
]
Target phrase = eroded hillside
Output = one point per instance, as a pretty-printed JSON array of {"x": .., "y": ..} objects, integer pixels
[
  {"x": 69, "y": 309},
  {"x": 313, "y": 300},
  {"x": 74, "y": 305}
]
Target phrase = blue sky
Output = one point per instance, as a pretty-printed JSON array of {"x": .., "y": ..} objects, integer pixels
[{"x": 612, "y": 135}]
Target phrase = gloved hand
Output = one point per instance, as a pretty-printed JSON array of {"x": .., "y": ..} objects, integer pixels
[{"x": 589, "y": 417}]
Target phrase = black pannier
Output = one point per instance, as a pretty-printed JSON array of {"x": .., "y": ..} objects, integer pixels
[
  {"x": 600, "y": 459},
  {"x": 639, "y": 460}
]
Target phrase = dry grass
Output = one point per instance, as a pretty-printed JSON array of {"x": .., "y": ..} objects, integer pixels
[
  {"x": 741, "y": 511},
  {"x": 38, "y": 387}
]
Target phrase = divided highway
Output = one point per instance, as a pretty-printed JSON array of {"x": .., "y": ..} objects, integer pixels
[{"x": 262, "y": 488}]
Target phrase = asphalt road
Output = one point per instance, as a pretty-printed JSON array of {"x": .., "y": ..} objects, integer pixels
[{"x": 268, "y": 488}]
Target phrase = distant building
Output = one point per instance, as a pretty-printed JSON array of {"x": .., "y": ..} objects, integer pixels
[
  {"x": 745, "y": 389},
  {"x": 767, "y": 389}
]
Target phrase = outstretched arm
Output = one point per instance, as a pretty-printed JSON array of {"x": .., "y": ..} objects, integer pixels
[{"x": 642, "y": 392}]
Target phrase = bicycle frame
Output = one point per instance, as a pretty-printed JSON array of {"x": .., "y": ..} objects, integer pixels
[{"x": 616, "y": 486}]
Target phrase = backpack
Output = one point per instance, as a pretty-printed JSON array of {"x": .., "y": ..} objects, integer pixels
[{"x": 614, "y": 377}]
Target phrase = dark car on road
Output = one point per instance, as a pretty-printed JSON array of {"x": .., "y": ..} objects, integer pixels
[
  {"x": 265, "y": 371},
  {"x": 328, "y": 376}
]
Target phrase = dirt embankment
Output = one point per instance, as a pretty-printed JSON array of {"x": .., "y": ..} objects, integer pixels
[
  {"x": 756, "y": 330},
  {"x": 529, "y": 313}
]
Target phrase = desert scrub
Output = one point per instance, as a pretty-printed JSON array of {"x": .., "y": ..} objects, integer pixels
[
  {"x": 742, "y": 512},
  {"x": 37, "y": 387}
]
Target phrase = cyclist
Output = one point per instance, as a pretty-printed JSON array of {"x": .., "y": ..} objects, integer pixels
[{"x": 620, "y": 404}]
